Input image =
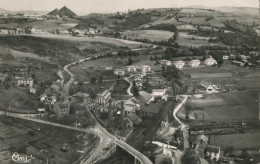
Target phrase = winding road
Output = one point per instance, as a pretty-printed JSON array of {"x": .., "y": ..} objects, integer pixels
[
  {"x": 102, "y": 132},
  {"x": 184, "y": 127}
]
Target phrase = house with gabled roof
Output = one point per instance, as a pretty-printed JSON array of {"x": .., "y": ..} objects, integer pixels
[
  {"x": 104, "y": 97},
  {"x": 151, "y": 110},
  {"x": 61, "y": 108},
  {"x": 131, "y": 106},
  {"x": 179, "y": 64},
  {"x": 207, "y": 87},
  {"x": 166, "y": 62},
  {"x": 135, "y": 119},
  {"x": 210, "y": 61},
  {"x": 194, "y": 63},
  {"x": 146, "y": 97},
  {"x": 213, "y": 152}
]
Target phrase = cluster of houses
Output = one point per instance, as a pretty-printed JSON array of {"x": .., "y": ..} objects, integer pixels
[
  {"x": 206, "y": 87},
  {"x": 144, "y": 69},
  {"x": 192, "y": 63},
  {"x": 204, "y": 150}
]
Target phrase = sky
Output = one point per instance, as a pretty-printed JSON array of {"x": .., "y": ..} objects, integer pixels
[{"x": 103, "y": 6}]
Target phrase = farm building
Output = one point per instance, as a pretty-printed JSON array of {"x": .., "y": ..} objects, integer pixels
[
  {"x": 103, "y": 98},
  {"x": 24, "y": 81},
  {"x": 166, "y": 62},
  {"x": 43, "y": 97},
  {"x": 2, "y": 77},
  {"x": 213, "y": 152},
  {"x": 61, "y": 109},
  {"x": 135, "y": 119},
  {"x": 200, "y": 145},
  {"x": 33, "y": 90},
  {"x": 128, "y": 123},
  {"x": 159, "y": 92},
  {"x": 151, "y": 109},
  {"x": 179, "y": 64},
  {"x": 130, "y": 106},
  {"x": 146, "y": 68},
  {"x": 119, "y": 72},
  {"x": 210, "y": 62},
  {"x": 146, "y": 97},
  {"x": 194, "y": 63},
  {"x": 131, "y": 69},
  {"x": 232, "y": 56},
  {"x": 206, "y": 87},
  {"x": 225, "y": 57}
]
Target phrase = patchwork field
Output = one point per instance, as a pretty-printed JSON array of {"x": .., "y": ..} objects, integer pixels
[
  {"x": 16, "y": 100},
  {"x": 248, "y": 140},
  {"x": 42, "y": 142},
  {"x": 216, "y": 75},
  {"x": 227, "y": 106},
  {"x": 86, "y": 73},
  {"x": 153, "y": 35},
  {"x": 117, "y": 42}
]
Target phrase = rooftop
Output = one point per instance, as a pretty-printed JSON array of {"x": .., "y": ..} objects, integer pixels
[
  {"x": 152, "y": 108},
  {"x": 146, "y": 96},
  {"x": 136, "y": 119}
]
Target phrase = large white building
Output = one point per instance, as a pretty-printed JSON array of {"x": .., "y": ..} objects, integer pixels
[
  {"x": 104, "y": 97},
  {"x": 166, "y": 62},
  {"x": 24, "y": 81},
  {"x": 119, "y": 72},
  {"x": 194, "y": 63},
  {"x": 210, "y": 62},
  {"x": 146, "y": 68},
  {"x": 131, "y": 69},
  {"x": 179, "y": 64}
]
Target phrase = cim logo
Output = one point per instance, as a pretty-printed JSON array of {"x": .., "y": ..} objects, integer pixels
[{"x": 21, "y": 158}]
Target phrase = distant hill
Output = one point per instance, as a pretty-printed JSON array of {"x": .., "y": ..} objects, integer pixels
[
  {"x": 34, "y": 12},
  {"x": 242, "y": 10},
  {"x": 63, "y": 12},
  {"x": 53, "y": 12},
  {"x": 231, "y": 9},
  {"x": 3, "y": 11}
]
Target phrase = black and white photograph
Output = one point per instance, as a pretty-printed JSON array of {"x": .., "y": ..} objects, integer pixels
[{"x": 129, "y": 81}]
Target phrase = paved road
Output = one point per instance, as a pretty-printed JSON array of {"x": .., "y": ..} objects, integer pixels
[
  {"x": 129, "y": 88},
  {"x": 66, "y": 68},
  {"x": 103, "y": 133},
  {"x": 184, "y": 127}
]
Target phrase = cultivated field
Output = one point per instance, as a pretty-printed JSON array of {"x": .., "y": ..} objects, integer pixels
[
  {"x": 186, "y": 27},
  {"x": 248, "y": 140},
  {"x": 216, "y": 75},
  {"x": 85, "y": 73},
  {"x": 42, "y": 142},
  {"x": 15, "y": 100},
  {"x": 227, "y": 106},
  {"x": 153, "y": 35},
  {"x": 112, "y": 41}
]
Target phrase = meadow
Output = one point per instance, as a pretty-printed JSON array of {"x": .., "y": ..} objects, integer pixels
[{"x": 153, "y": 35}]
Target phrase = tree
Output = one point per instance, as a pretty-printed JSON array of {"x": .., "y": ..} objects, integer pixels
[
  {"x": 57, "y": 31},
  {"x": 67, "y": 119},
  {"x": 92, "y": 94},
  {"x": 135, "y": 89},
  {"x": 93, "y": 80},
  {"x": 100, "y": 80},
  {"x": 130, "y": 61},
  {"x": 28, "y": 30}
]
